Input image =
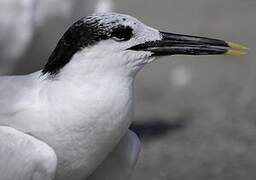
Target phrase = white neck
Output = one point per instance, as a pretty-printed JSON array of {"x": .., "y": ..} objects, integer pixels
[
  {"x": 93, "y": 103},
  {"x": 90, "y": 80}
]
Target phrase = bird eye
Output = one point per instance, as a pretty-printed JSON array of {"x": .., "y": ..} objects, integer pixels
[{"x": 122, "y": 33}]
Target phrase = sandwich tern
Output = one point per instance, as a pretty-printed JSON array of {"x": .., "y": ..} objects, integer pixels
[{"x": 61, "y": 122}]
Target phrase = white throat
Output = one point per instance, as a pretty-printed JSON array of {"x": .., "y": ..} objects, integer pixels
[{"x": 95, "y": 105}]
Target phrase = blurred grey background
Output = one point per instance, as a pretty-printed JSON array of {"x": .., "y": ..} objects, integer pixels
[{"x": 196, "y": 116}]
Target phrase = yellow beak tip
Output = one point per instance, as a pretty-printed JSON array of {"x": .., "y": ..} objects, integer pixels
[
  {"x": 235, "y": 52},
  {"x": 236, "y": 46},
  {"x": 236, "y": 49}
]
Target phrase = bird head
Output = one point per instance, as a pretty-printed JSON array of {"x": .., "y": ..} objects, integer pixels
[{"x": 114, "y": 40}]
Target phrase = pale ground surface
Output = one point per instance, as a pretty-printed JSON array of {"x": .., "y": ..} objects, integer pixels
[{"x": 202, "y": 109}]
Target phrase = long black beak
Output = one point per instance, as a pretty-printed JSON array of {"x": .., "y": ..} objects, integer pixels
[{"x": 172, "y": 44}]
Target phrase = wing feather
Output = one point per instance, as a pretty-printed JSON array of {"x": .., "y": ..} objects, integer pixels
[{"x": 24, "y": 157}]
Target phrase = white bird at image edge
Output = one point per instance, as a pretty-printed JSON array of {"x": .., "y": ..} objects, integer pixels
[{"x": 62, "y": 122}]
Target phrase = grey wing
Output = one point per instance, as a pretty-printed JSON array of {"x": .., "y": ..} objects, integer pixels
[
  {"x": 121, "y": 161},
  {"x": 23, "y": 157}
]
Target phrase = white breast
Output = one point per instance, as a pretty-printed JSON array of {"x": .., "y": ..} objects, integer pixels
[{"x": 81, "y": 124}]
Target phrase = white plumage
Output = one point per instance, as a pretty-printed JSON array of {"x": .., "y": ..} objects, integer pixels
[
  {"x": 81, "y": 113},
  {"x": 62, "y": 123}
]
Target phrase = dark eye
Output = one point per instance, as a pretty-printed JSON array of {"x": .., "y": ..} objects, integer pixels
[{"x": 122, "y": 33}]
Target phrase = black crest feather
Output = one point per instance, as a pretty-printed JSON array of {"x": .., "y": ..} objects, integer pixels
[
  {"x": 83, "y": 33},
  {"x": 80, "y": 34}
]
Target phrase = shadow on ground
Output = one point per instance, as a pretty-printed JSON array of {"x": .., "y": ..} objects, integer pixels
[{"x": 157, "y": 127}]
